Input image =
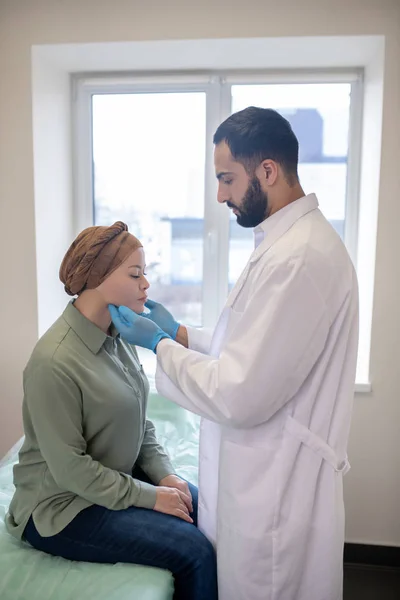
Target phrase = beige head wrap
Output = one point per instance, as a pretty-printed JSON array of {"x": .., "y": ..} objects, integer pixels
[{"x": 94, "y": 255}]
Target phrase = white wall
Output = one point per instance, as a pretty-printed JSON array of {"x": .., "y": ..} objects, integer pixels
[{"x": 373, "y": 486}]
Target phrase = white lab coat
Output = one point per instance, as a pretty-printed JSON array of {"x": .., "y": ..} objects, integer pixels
[{"x": 275, "y": 389}]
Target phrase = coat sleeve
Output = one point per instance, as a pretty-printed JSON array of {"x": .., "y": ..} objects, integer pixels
[
  {"x": 199, "y": 339},
  {"x": 271, "y": 350}
]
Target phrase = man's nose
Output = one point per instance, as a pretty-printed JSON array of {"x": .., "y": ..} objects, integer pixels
[{"x": 222, "y": 196}]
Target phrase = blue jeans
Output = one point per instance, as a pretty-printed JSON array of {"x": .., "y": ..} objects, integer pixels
[{"x": 142, "y": 537}]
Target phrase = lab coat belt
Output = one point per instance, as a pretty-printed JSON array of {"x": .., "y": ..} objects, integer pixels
[{"x": 317, "y": 445}]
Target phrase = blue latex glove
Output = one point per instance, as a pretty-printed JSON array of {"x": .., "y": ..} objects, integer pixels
[
  {"x": 135, "y": 329},
  {"x": 162, "y": 317}
]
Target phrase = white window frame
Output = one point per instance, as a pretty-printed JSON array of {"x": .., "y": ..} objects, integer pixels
[{"x": 217, "y": 87}]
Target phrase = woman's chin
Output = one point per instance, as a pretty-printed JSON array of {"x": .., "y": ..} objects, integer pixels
[{"x": 137, "y": 307}]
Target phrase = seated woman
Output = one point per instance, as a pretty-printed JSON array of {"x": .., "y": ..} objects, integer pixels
[{"x": 92, "y": 483}]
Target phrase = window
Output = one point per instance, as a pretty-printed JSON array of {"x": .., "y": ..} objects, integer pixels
[
  {"x": 148, "y": 167},
  {"x": 145, "y": 156},
  {"x": 319, "y": 115}
]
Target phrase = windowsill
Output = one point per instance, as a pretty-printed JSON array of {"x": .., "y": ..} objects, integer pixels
[{"x": 363, "y": 388}]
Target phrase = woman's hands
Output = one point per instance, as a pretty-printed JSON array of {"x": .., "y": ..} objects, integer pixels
[{"x": 172, "y": 501}]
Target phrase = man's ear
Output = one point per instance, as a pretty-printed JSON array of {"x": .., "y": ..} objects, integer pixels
[{"x": 268, "y": 172}]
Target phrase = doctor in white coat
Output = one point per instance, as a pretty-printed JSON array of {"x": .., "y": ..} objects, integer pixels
[{"x": 274, "y": 382}]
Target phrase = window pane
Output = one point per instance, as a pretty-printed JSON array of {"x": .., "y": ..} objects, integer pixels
[
  {"x": 319, "y": 115},
  {"x": 149, "y": 160}
]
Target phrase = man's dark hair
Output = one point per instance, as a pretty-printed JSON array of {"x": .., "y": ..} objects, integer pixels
[{"x": 257, "y": 134}]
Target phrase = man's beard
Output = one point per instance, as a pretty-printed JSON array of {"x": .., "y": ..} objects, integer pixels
[{"x": 254, "y": 206}]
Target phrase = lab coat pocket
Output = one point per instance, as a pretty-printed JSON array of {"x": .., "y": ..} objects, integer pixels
[{"x": 233, "y": 319}]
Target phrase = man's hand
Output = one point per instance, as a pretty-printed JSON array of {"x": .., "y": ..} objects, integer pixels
[
  {"x": 173, "y": 481},
  {"x": 162, "y": 317},
  {"x": 135, "y": 329}
]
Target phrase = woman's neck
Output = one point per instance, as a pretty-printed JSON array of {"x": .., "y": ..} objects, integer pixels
[{"x": 92, "y": 305}]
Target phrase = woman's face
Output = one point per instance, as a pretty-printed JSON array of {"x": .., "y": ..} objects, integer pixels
[{"x": 127, "y": 285}]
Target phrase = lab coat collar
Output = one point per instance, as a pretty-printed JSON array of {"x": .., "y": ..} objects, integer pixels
[
  {"x": 270, "y": 231},
  {"x": 280, "y": 222}
]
